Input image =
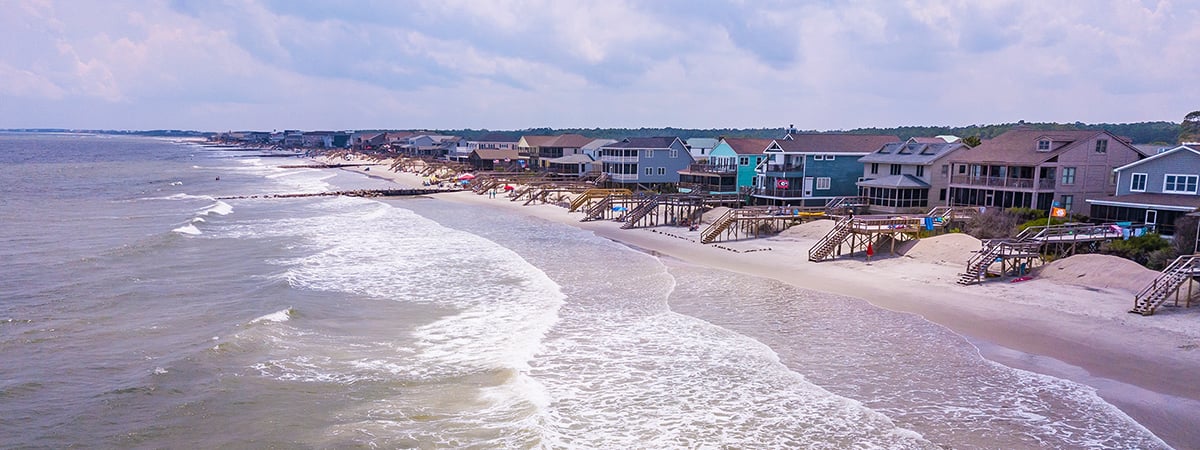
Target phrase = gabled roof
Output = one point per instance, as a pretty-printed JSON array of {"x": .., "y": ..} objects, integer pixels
[
  {"x": 497, "y": 153},
  {"x": 895, "y": 181},
  {"x": 912, "y": 152},
  {"x": 537, "y": 141},
  {"x": 644, "y": 142},
  {"x": 567, "y": 141},
  {"x": 577, "y": 158},
  {"x": 747, "y": 146},
  {"x": 835, "y": 143},
  {"x": 1019, "y": 146},
  {"x": 1181, "y": 148},
  {"x": 597, "y": 143}
]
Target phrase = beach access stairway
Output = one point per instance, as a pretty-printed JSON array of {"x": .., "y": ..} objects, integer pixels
[
  {"x": 824, "y": 247},
  {"x": 643, "y": 208},
  {"x": 599, "y": 209},
  {"x": 997, "y": 250},
  {"x": 592, "y": 195},
  {"x": 1172, "y": 278}
]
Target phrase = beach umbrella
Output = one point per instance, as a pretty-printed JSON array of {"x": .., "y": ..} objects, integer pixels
[{"x": 466, "y": 176}]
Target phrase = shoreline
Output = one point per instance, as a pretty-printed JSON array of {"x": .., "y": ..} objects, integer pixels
[{"x": 1075, "y": 332}]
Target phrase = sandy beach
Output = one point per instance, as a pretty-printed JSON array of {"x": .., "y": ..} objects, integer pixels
[{"x": 1069, "y": 321}]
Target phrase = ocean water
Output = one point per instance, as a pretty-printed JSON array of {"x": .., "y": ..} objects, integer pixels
[{"x": 139, "y": 310}]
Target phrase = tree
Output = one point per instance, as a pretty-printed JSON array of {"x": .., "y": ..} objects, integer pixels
[
  {"x": 972, "y": 141},
  {"x": 1189, "y": 129}
]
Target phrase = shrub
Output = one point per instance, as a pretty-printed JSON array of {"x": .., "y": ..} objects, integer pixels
[{"x": 1140, "y": 249}]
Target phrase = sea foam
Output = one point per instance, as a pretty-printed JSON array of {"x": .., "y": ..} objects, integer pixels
[
  {"x": 282, "y": 315},
  {"x": 188, "y": 229}
]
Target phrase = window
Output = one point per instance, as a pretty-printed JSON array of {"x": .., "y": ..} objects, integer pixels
[
  {"x": 1068, "y": 201},
  {"x": 830, "y": 157},
  {"x": 743, "y": 160},
  {"x": 649, "y": 171},
  {"x": 895, "y": 169},
  {"x": 942, "y": 195},
  {"x": 1043, "y": 145},
  {"x": 647, "y": 153},
  {"x": 1068, "y": 175},
  {"x": 1137, "y": 183},
  {"x": 1180, "y": 184},
  {"x": 1102, "y": 146},
  {"x": 822, "y": 182},
  {"x": 945, "y": 170},
  {"x": 874, "y": 168},
  {"x": 920, "y": 171},
  {"x": 662, "y": 170},
  {"x": 818, "y": 157},
  {"x": 674, "y": 153}
]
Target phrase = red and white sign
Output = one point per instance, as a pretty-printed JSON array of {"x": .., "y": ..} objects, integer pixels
[{"x": 781, "y": 183}]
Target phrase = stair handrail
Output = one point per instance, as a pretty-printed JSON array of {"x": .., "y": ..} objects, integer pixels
[
  {"x": 641, "y": 210},
  {"x": 841, "y": 229},
  {"x": 1171, "y": 277},
  {"x": 717, "y": 226},
  {"x": 597, "y": 209}
]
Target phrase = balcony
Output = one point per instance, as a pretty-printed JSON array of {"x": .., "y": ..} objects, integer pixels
[
  {"x": 708, "y": 187},
  {"x": 784, "y": 170},
  {"x": 715, "y": 169},
  {"x": 776, "y": 192},
  {"x": 623, "y": 177},
  {"x": 1043, "y": 184},
  {"x": 619, "y": 159}
]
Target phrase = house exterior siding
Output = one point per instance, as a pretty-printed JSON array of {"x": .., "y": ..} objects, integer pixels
[
  {"x": 645, "y": 160},
  {"x": 1156, "y": 169},
  {"x": 1011, "y": 171}
]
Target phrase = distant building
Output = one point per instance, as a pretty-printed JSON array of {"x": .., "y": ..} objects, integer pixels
[
  {"x": 1156, "y": 191},
  {"x": 728, "y": 168},
  {"x": 808, "y": 169},
  {"x": 701, "y": 148},
  {"x": 644, "y": 162},
  {"x": 907, "y": 177},
  {"x": 1028, "y": 168}
]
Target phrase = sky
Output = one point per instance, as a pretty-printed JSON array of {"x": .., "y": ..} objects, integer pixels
[{"x": 218, "y": 65}]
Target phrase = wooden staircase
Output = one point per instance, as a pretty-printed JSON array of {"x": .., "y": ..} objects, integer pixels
[
  {"x": 598, "y": 209},
  {"x": 1183, "y": 269},
  {"x": 828, "y": 243},
  {"x": 980, "y": 262},
  {"x": 592, "y": 194},
  {"x": 483, "y": 185},
  {"x": 644, "y": 208},
  {"x": 718, "y": 226}
]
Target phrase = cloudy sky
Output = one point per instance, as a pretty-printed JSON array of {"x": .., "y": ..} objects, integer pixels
[{"x": 514, "y": 64}]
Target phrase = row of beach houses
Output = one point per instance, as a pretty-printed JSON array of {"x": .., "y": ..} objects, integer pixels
[{"x": 1086, "y": 172}]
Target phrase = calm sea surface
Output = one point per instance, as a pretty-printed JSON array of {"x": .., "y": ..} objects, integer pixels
[{"x": 138, "y": 311}]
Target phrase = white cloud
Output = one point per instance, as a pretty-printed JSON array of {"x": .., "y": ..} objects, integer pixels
[{"x": 523, "y": 63}]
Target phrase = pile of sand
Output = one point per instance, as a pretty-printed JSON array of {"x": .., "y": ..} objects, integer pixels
[
  {"x": 952, "y": 248},
  {"x": 1098, "y": 271},
  {"x": 809, "y": 230},
  {"x": 712, "y": 215}
]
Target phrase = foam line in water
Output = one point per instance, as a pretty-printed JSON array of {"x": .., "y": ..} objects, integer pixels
[
  {"x": 219, "y": 208},
  {"x": 188, "y": 229},
  {"x": 282, "y": 315}
]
